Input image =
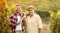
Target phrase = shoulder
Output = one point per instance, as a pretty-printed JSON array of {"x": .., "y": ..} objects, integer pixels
[
  {"x": 22, "y": 15},
  {"x": 11, "y": 15},
  {"x": 37, "y": 15}
]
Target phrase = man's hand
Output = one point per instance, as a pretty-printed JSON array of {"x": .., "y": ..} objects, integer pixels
[{"x": 39, "y": 30}]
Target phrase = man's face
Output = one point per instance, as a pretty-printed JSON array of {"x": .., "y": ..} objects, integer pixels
[
  {"x": 18, "y": 8},
  {"x": 31, "y": 11}
]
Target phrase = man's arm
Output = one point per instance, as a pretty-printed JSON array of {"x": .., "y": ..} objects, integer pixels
[
  {"x": 11, "y": 24},
  {"x": 39, "y": 23}
]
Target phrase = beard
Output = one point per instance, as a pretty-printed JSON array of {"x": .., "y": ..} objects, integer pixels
[{"x": 31, "y": 14}]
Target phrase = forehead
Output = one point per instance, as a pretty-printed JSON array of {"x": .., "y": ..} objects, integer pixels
[
  {"x": 17, "y": 6},
  {"x": 31, "y": 9}
]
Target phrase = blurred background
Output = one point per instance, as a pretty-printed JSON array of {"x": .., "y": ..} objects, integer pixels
[{"x": 49, "y": 10}]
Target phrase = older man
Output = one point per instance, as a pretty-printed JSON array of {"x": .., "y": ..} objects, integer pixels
[{"x": 33, "y": 21}]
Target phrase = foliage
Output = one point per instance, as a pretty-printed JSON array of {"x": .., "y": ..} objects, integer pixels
[
  {"x": 55, "y": 22},
  {"x": 4, "y": 27},
  {"x": 43, "y": 13}
]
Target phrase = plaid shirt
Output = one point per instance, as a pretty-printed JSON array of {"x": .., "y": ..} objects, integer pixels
[{"x": 13, "y": 19}]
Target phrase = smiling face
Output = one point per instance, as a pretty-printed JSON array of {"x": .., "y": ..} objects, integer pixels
[
  {"x": 18, "y": 8},
  {"x": 31, "y": 11}
]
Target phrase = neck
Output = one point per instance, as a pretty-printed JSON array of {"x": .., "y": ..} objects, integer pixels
[{"x": 31, "y": 15}]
